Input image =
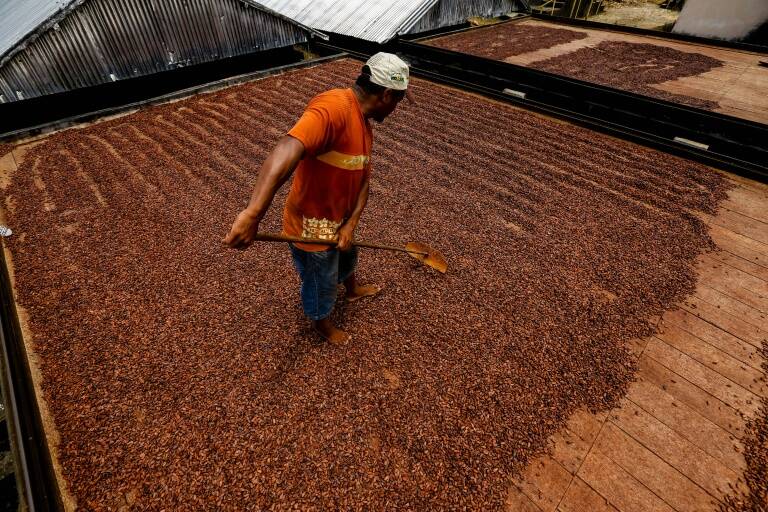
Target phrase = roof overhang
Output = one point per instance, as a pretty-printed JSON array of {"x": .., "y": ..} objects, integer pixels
[{"x": 67, "y": 7}]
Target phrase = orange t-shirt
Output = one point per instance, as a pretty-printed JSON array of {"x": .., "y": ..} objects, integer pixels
[{"x": 337, "y": 153}]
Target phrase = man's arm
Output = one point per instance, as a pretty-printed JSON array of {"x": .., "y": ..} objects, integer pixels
[
  {"x": 346, "y": 232},
  {"x": 275, "y": 170}
]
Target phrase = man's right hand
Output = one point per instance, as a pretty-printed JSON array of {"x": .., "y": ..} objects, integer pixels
[{"x": 243, "y": 230}]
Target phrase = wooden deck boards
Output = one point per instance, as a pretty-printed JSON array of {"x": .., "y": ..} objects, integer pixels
[
  {"x": 674, "y": 442},
  {"x": 739, "y": 86}
]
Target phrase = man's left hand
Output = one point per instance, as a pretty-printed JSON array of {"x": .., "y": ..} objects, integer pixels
[{"x": 344, "y": 237}]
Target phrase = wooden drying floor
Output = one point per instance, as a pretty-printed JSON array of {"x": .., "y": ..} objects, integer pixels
[
  {"x": 583, "y": 448},
  {"x": 675, "y": 444},
  {"x": 739, "y": 86}
]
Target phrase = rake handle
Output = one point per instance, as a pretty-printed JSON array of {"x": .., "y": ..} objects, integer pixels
[{"x": 274, "y": 237}]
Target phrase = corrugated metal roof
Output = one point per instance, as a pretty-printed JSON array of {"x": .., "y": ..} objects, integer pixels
[
  {"x": 20, "y": 19},
  {"x": 265, "y": 8},
  {"x": 372, "y": 20},
  {"x": 83, "y": 43},
  {"x": 452, "y": 12}
]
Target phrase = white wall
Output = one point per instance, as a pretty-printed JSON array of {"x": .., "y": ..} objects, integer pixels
[{"x": 721, "y": 19}]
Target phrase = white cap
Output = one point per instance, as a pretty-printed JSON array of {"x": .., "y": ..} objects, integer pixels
[{"x": 388, "y": 70}]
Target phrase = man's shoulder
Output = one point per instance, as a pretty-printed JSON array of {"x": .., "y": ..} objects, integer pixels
[
  {"x": 334, "y": 105},
  {"x": 332, "y": 94},
  {"x": 334, "y": 99}
]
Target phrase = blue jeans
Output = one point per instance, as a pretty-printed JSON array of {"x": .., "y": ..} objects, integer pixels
[{"x": 320, "y": 273}]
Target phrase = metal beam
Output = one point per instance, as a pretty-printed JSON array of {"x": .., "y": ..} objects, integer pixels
[{"x": 34, "y": 470}]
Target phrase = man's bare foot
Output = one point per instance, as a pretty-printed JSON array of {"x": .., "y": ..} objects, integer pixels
[
  {"x": 330, "y": 332},
  {"x": 358, "y": 292}
]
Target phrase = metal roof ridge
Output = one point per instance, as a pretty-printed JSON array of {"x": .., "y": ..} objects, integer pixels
[
  {"x": 417, "y": 14},
  {"x": 264, "y": 8},
  {"x": 408, "y": 22},
  {"x": 371, "y": 20}
]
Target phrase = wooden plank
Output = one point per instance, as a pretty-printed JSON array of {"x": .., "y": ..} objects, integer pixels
[
  {"x": 569, "y": 450},
  {"x": 736, "y": 292},
  {"x": 745, "y": 352},
  {"x": 699, "y": 375},
  {"x": 728, "y": 304},
  {"x": 701, "y": 468},
  {"x": 749, "y": 115},
  {"x": 637, "y": 346},
  {"x": 748, "y": 183},
  {"x": 749, "y": 202},
  {"x": 736, "y": 244},
  {"x": 756, "y": 79},
  {"x": 619, "y": 488},
  {"x": 736, "y": 96},
  {"x": 586, "y": 424},
  {"x": 730, "y": 57},
  {"x": 749, "y": 102},
  {"x": 652, "y": 471},
  {"x": 749, "y": 228},
  {"x": 715, "y": 410},
  {"x": 517, "y": 501},
  {"x": 7, "y": 168},
  {"x": 752, "y": 84},
  {"x": 582, "y": 498},
  {"x": 712, "y": 91},
  {"x": 734, "y": 283},
  {"x": 544, "y": 481},
  {"x": 684, "y": 420},
  {"x": 714, "y": 359},
  {"x": 729, "y": 243},
  {"x": 572, "y": 444},
  {"x": 748, "y": 321},
  {"x": 713, "y": 270},
  {"x": 740, "y": 262},
  {"x": 726, "y": 321},
  {"x": 721, "y": 77}
]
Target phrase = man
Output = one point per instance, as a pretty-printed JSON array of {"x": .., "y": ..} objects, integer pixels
[{"x": 330, "y": 148}]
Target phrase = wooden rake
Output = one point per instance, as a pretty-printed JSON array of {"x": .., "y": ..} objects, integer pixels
[{"x": 418, "y": 250}]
